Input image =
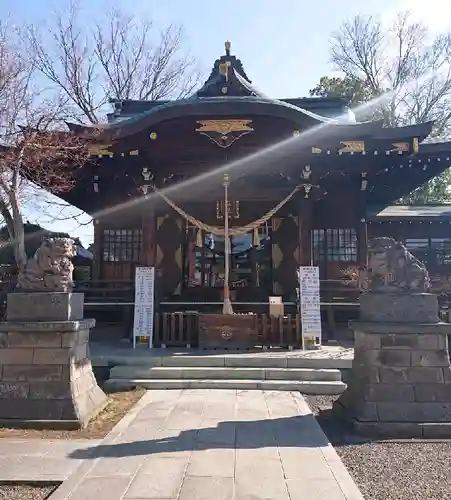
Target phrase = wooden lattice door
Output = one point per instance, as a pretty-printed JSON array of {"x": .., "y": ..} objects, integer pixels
[
  {"x": 286, "y": 254},
  {"x": 170, "y": 237}
]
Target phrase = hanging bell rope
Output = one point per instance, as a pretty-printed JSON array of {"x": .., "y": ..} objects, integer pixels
[{"x": 233, "y": 231}]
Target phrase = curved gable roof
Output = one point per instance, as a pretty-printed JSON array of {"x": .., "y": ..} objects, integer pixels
[
  {"x": 229, "y": 92},
  {"x": 219, "y": 106}
]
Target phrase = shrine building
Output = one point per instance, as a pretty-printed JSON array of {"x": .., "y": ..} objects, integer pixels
[{"x": 307, "y": 185}]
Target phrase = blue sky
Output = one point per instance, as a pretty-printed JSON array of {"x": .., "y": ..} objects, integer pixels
[{"x": 283, "y": 44}]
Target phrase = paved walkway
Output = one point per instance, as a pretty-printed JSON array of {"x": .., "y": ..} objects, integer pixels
[
  {"x": 40, "y": 460},
  {"x": 213, "y": 445}
]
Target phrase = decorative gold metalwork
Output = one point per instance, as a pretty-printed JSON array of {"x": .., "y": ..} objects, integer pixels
[
  {"x": 352, "y": 147},
  {"x": 224, "y": 70},
  {"x": 355, "y": 277},
  {"x": 401, "y": 147},
  {"x": 224, "y": 132},
  {"x": 233, "y": 209},
  {"x": 227, "y": 333},
  {"x": 224, "y": 127},
  {"x": 105, "y": 152},
  {"x": 316, "y": 151},
  {"x": 147, "y": 174},
  {"x": 415, "y": 145},
  {"x": 99, "y": 149}
]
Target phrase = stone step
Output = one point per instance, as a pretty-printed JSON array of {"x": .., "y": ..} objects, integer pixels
[
  {"x": 223, "y": 373},
  {"x": 303, "y": 386},
  {"x": 244, "y": 360}
]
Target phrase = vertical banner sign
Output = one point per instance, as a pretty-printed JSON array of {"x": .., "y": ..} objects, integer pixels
[
  {"x": 310, "y": 306},
  {"x": 144, "y": 306}
]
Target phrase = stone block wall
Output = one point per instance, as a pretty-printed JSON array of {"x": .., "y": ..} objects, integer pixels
[
  {"x": 400, "y": 383},
  {"x": 46, "y": 376}
]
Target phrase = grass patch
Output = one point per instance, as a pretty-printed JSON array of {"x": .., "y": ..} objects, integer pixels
[{"x": 118, "y": 405}]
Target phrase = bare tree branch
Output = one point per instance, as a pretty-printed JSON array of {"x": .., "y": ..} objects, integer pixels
[
  {"x": 122, "y": 58},
  {"x": 66, "y": 59},
  {"x": 400, "y": 60},
  {"x": 31, "y": 148}
]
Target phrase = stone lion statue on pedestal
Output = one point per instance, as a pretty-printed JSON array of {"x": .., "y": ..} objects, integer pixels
[
  {"x": 50, "y": 269},
  {"x": 392, "y": 268}
]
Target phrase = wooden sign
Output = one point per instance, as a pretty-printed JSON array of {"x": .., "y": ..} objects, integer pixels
[
  {"x": 144, "y": 306},
  {"x": 310, "y": 306},
  {"x": 233, "y": 209}
]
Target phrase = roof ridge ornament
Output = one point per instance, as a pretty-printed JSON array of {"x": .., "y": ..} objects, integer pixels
[{"x": 227, "y": 77}]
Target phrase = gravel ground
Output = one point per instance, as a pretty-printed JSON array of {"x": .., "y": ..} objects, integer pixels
[
  {"x": 388, "y": 470},
  {"x": 25, "y": 492}
]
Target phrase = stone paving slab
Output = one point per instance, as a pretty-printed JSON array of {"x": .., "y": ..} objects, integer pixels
[
  {"x": 40, "y": 460},
  {"x": 215, "y": 445}
]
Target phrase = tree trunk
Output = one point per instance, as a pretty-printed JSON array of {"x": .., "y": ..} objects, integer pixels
[
  {"x": 20, "y": 254},
  {"x": 18, "y": 238}
]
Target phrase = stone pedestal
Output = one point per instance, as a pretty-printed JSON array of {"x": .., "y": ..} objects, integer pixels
[
  {"x": 400, "y": 383},
  {"x": 46, "y": 378},
  {"x": 45, "y": 306}
]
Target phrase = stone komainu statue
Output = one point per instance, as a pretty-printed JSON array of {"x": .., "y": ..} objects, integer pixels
[
  {"x": 51, "y": 268},
  {"x": 392, "y": 268}
]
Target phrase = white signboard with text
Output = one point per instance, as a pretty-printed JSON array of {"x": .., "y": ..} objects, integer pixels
[
  {"x": 144, "y": 305},
  {"x": 310, "y": 305}
]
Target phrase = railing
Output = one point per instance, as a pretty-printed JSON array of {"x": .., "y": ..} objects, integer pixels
[
  {"x": 106, "y": 293},
  {"x": 106, "y": 290},
  {"x": 279, "y": 331},
  {"x": 176, "y": 329},
  {"x": 113, "y": 301}
]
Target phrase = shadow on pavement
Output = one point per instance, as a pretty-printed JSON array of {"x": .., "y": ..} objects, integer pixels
[{"x": 289, "y": 432}]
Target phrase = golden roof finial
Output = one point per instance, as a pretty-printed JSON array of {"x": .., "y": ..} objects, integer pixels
[{"x": 227, "y": 47}]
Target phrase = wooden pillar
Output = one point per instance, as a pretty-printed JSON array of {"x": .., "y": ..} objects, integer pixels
[
  {"x": 98, "y": 251},
  {"x": 253, "y": 264},
  {"x": 305, "y": 211},
  {"x": 362, "y": 241},
  {"x": 362, "y": 230}
]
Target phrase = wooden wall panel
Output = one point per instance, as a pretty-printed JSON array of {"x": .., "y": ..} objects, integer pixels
[
  {"x": 117, "y": 271},
  {"x": 336, "y": 212}
]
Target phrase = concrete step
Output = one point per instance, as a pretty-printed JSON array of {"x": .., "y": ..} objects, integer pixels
[
  {"x": 303, "y": 386},
  {"x": 223, "y": 373}
]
